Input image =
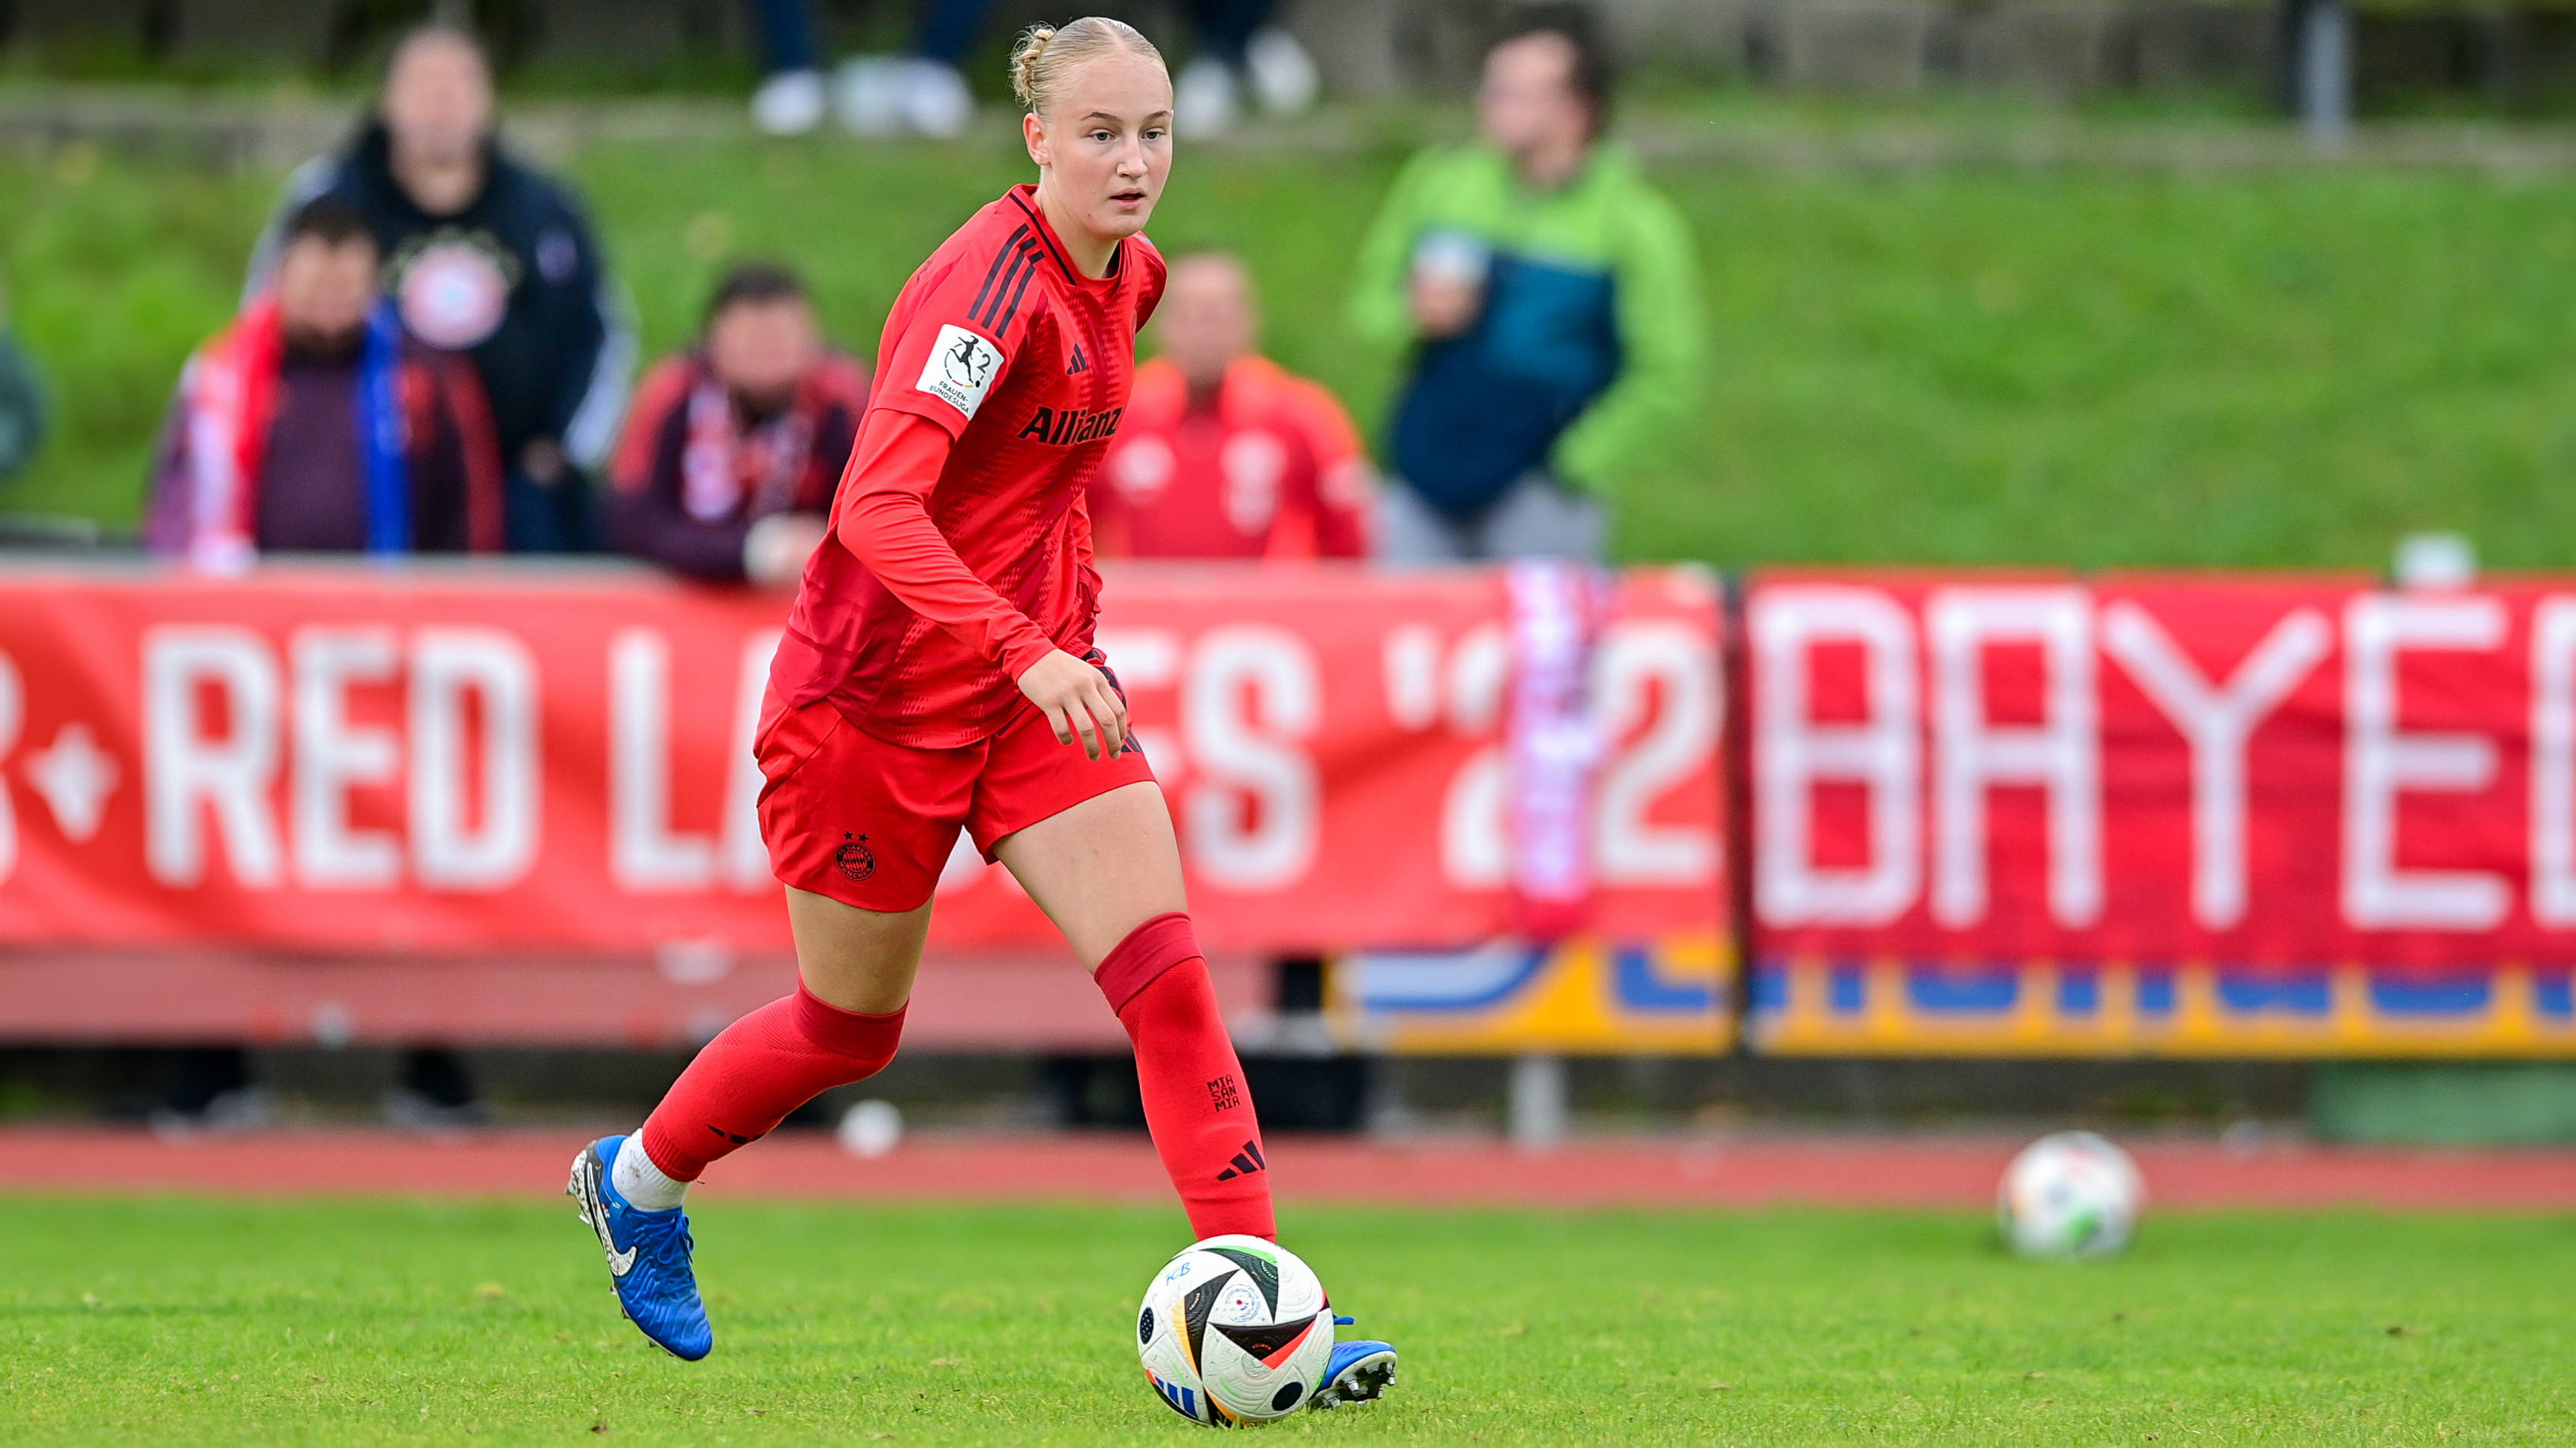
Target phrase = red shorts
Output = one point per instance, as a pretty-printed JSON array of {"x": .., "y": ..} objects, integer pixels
[{"x": 871, "y": 824}]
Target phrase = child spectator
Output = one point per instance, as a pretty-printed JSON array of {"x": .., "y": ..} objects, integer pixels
[
  {"x": 313, "y": 423},
  {"x": 1222, "y": 453},
  {"x": 484, "y": 255},
  {"x": 728, "y": 464}
]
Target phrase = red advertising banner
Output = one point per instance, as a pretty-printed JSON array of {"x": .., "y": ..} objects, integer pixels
[
  {"x": 492, "y": 759},
  {"x": 2277, "y": 778}
]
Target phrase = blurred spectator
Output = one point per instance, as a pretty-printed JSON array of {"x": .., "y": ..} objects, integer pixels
[
  {"x": 924, "y": 92},
  {"x": 728, "y": 464},
  {"x": 22, "y": 402},
  {"x": 484, "y": 255},
  {"x": 792, "y": 98},
  {"x": 1551, "y": 301},
  {"x": 1222, "y": 454},
  {"x": 1239, "y": 52},
  {"x": 313, "y": 423}
]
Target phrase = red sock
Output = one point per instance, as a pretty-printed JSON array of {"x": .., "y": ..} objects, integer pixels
[
  {"x": 756, "y": 1071},
  {"x": 1195, "y": 1102}
]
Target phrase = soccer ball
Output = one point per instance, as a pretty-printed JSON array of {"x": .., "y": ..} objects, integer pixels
[
  {"x": 2071, "y": 1194},
  {"x": 1235, "y": 1330}
]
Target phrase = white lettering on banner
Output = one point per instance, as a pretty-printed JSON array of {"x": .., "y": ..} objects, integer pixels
[
  {"x": 1480, "y": 668},
  {"x": 2061, "y": 755},
  {"x": 645, "y": 853},
  {"x": 449, "y": 666},
  {"x": 1249, "y": 702},
  {"x": 1475, "y": 832},
  {"x": 332, "y": 756},
  {"x": 2553, "y": 761},
  {"x": 1793, "y": 753},
  {"x": 187, "y": 774},
  {"x": 2380, "y": 761},
  {"x": 2216, "y": 722},
  {"x": 13, "y": 722},
  {"x": 746, "y": 857},
  {"x": 1409, "y": 666},
  {"x": 1681, "y": 660},
  {"x": 1475, "y": 839},
  {"x": 1148, "y": 658}
]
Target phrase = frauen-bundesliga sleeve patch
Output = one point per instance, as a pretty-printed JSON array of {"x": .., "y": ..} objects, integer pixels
[{"x": 960, "y": 369}]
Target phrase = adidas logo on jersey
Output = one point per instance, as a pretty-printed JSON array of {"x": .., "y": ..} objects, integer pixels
[
  {"x": 1070, "y": 426},
  {"x": 1079, "y": 363}
]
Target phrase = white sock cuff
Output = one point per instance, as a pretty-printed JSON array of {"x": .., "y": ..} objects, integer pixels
[{"x": 640, "y": 1182}]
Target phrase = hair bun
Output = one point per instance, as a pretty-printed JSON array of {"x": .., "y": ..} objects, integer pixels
[{"x": 1024, "y": 63}]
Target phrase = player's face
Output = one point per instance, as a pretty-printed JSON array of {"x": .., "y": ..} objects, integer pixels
[
  {"x": 760, "y": 351},
  {"x": 1106, "y": 145},
  {"x": 324, "y": 289}
]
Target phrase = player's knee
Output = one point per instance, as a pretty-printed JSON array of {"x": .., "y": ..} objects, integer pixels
[
  {"x": 864, "y": 1043},
  {"x": 1153, "y": 950}
]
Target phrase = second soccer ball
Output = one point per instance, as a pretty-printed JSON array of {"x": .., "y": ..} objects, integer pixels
[{"x": 2073, "y": 1194}]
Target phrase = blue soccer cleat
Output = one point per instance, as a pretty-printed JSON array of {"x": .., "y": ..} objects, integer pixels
[
  {"x": 1359, "y": 1372},
  {"x": 648, "y": 1256}
]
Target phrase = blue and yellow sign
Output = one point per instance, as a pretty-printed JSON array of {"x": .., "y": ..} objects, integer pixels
[
  {"x": 1891, "y": 1008},
  {"x": 1585, "y": 997}
]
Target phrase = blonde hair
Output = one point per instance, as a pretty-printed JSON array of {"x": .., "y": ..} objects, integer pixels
[{"x": 1047, "y": 54}]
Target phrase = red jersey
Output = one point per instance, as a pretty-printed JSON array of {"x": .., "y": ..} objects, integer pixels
[
  {"x": 960, "y": 550},
  {"x": 1268, "y": 467}
]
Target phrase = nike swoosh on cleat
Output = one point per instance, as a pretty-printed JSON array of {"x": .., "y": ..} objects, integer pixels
[{"x": 595, "y": 1212}]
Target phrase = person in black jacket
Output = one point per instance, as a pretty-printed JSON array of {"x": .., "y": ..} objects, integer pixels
[{"x": 484, "y": 255}]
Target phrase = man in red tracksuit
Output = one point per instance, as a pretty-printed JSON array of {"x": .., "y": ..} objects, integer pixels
[{"x": 1222, "y": 453}]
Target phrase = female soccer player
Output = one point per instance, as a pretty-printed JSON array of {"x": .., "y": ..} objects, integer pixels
[{"x": 937, "y": 673}]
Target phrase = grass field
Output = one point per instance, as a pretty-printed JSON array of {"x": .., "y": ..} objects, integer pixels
[
  {"x": 2084, "y": 365},
  {"x": 172, "y": 1320}
]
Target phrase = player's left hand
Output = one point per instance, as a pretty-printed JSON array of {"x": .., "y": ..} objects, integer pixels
[{"x": 1078, "y": 702}]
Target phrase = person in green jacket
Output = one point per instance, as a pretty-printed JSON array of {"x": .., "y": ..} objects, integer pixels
[
  {"x": 1550, "y": 299},
  {"x": 22, "y": 402}
]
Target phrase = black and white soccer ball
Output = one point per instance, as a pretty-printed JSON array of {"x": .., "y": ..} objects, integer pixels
[{"x": 1235, "y": 1330}]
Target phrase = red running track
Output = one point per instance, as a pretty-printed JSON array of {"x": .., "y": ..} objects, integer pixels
[{"x": 1712, "y": 1172}]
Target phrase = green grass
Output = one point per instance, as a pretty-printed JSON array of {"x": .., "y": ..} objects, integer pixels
[
  {"x": 1960, "y": 365},
  {"x": 199, "y": 1322}
]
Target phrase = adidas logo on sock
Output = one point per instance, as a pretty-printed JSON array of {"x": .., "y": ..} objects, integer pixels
[{"x": 1246, "y": 1162}]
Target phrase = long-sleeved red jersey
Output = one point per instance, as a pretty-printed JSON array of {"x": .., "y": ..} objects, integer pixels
[{"x": 960, "y": 550}]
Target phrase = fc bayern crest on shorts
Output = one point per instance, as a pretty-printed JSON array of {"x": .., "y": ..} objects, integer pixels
[{"x": 854, "y": 857}]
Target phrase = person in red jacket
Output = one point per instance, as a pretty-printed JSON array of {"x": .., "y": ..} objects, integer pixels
[
  {"x": 937, "y": 674},
  {"x": 315, "y": 423},
  {"x": 1223, "y": 453},
  {"x": 730, "y": 458}
]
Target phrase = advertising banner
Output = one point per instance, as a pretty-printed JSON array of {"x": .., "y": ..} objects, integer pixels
[
  {"x": 2213, "y": 815},
  {"x": 1668, "y": 997},
  {"x": 487, "y": 760}
]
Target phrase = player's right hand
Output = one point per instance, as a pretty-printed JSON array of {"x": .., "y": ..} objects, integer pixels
[{"x": 1078, "y": 703}]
